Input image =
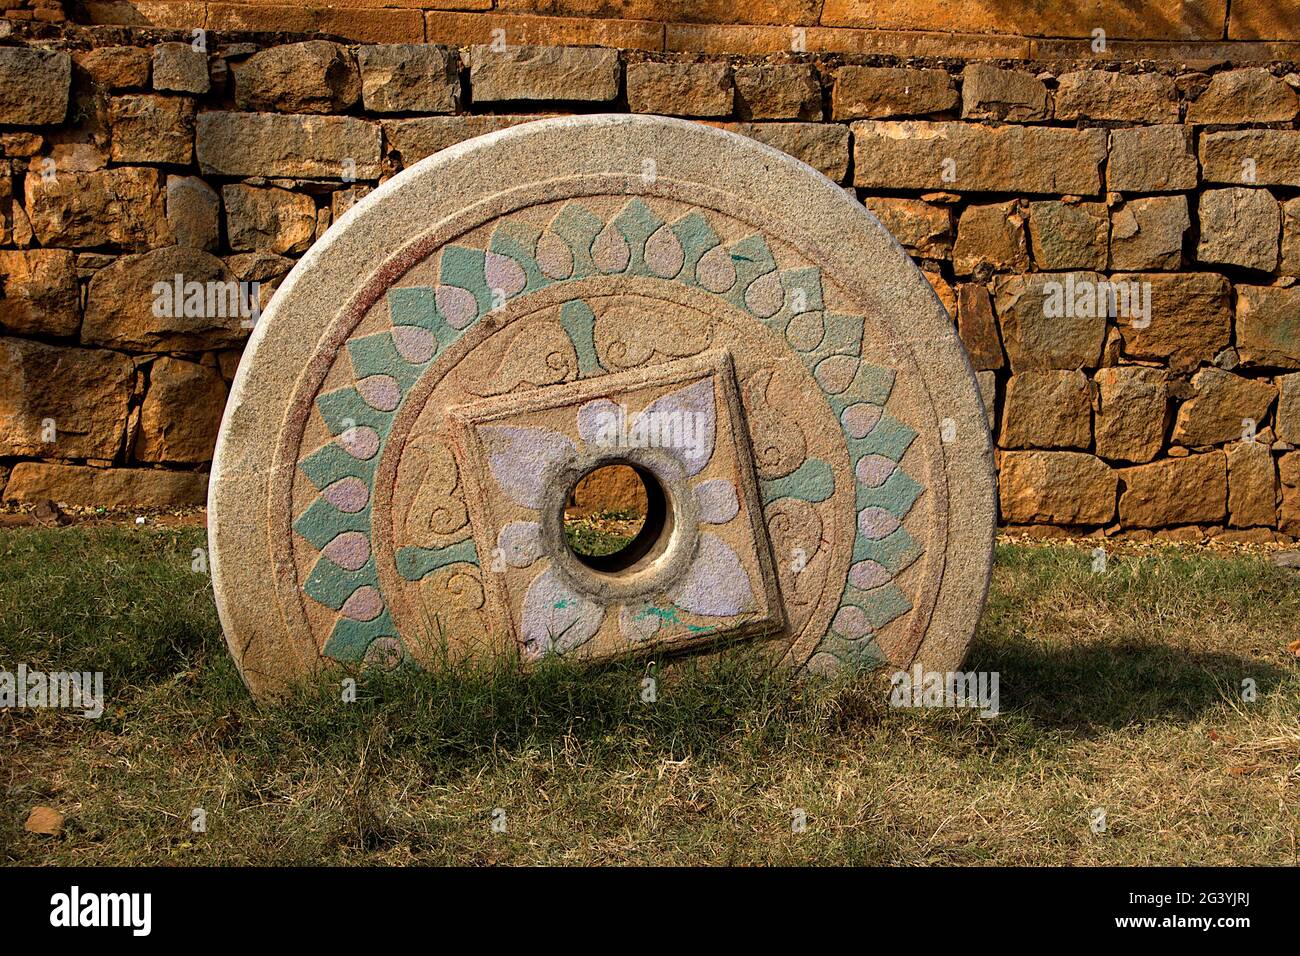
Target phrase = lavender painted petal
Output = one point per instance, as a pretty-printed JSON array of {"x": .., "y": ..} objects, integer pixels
[
  {"x": 350, "y": 550},
  {"x": 869, "y": 574},
  {"x": 555, "y": 619},
  {"x": 683, "y": 422},
  {"x": 858, "y": 419},
  {"x": 457, "y": 306},
  {"x": 716, "y": 584},
  {"x": 598, "y": 423},
  {"x": 876, "y": 523},
  {"x": 718, "y": 501},
  {"x": 874, "y": 470},
  {"x": 380, "y": 392},
  {"x": 503, "y": 274},
  {"x": 365, "y": 604},
  {"x": 610, "y": 251},
  {"x": 852, "y": 622},
  {"x": 520, "y": 543},
  {"x": 360, "y": 441},
  {"x": 663, "y": 253},
  {"x": 637, "y": 622},
  {"x": 715, "y": 271},
  {"x": 349, "y": 495},
  {"x": 384, "y": 653},
  {"x": 554, "y": 257},
  {"x": 519, "y": 458},
  {"x": 414, "y": 344},
  {"x": 806, "y": 331},
  {"x": 765, "y": 295}
]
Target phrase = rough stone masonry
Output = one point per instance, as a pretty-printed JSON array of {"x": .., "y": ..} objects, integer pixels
[{"x": 1117, "y": 240}]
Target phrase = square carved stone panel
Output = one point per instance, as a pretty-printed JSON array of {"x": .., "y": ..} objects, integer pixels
[{"x": 699, "y": 570}]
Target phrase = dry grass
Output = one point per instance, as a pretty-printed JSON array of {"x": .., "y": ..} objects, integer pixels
[{"x": 1119, "y": 691}]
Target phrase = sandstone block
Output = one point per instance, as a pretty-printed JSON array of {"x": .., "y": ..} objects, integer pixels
[
  {"x": 543, "y": 73},
  {"x": 823, "y": 146},
  {"x": 58, "y": 402},
  {"x": 409, "y": 78},
  {"x": 193, "y": 212},
  {"x": 34, "y": 86},
  {"x": 181, "y": 412},
  {"x": 1245, "y": 96},
  {"x": 116, "y": 67},
  {"x": 920, "y": 227},
  {"x": 1239, "y": 227},
  {"x": 1068, "y": 235},
  {"x": 777, "y": 91},
  {"x": 680, "y": 89},
  {"x": 106, "y": 487},
  {"x": 991, "y": 93},
  {"x": 122, "y": 206},
  {"x": 1288, "y": 408},
  {"x": 1290, "y": 264},
  {"x": 293, "y": 146},
  {"x": 148, "y": 128},
  {"x": 1288, "y": 470},
  {"x": 180, "y": 68},
  {"x": 1175, "y": 491},
  {"x": 1190, "y": 320},
  {"x": 1132, "y": 412},
  {"x": 268, "y": 220},
  {"x": 1220, "y": 406},
  {"x": 910, "y": 154},
  {"x": 38, "y": 292},
  {"x": 991, "y": 239},
  {"x": 1151, "y": 159},
  {"x": 315, "y": 76},
  {"x": 978, "y": 328},
  {"x": 1037, "y": 328},
  {"x": 1056, "y": 487},
  {"x": 1101, "y": 95},
  {"x": 1051, "y": 408},
  {"x": 1268, "y": 326},
  {"x": 870, "y": 92},
  {"x": 414, "y": 139},
  {"x": 1252, "y": 157},
  {"x": 1252, "y": 485},
  {"x": 1148, "y": 233}
]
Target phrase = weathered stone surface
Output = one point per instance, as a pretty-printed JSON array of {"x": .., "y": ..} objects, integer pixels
[
  {"x": 1288, "y": 471},
  {"x": 58, "y": 402},
  {"x": 871, "y": 92},
  {"x": 409, "y": 78},
  {"x": 268, "y": 220},
  {"x": 1287, "y": 423},
  {"x": 1068, "y": 235},
  {"x": 148, "y": 128},
  {"x": 1056, "y": 487},
  {"x": 1250, "y": 157},
  {"x": 1175, "y": 491},
  {"x": 1190, "y": 320},
  {"x": 109, "y": 207},
  {"x": 106, "y": 487},
  {"x": 680, "y": 89},
  {"x": 268, "y": 144},
  {"x": 1035, "y": 329},
  {"x": 624, "y": 250},
  {"x": 1101, "y": 95},
  {"x": 777, "y": 91},
  {"x": 116, "y": 67},
  {"x": 910, "y": 154},
  {"x": 1239, "y": 227},
  {"x": 1151, "y": 159},
  {"x": 1131, "y": 413},
  {"x": 315, "y": 76},
  {"x": 180, "y": 68},
  {"x": 126, "y": 308},
  {"x": 74, "y": 158},
  {"x": 1148, "y": 233},
  {"x": 991, "y": 239},
  {"x": 181, "y": 412},
  {"x": 414, "y": 139},
  {"x": 1047, "y": 409},
  {"x": 990, "y": 93},
  {"x": 823, "y": 146},
  {"x": 38, "y": 292},
  {"x": 1268, "y": 326},
  {"x": 34, "y": 86},
  {"x": 1245, "y": 96},
  {"x": 920, "y": 227},
  {"x": 193, "y": 212},
  {"x": 543, "y": 73},
  {"x": 1219, "y": 408},
  {"x": 1252, "y": 485},
  {"x": 977, "y": 327},
  {"x": 1290, "y": 261}
]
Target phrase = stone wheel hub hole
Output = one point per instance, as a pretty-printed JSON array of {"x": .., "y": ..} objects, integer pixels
[{"x": 615, "y": 516}]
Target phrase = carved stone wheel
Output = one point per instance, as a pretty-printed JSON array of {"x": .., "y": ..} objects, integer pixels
[{"x": 441, "y": 369}]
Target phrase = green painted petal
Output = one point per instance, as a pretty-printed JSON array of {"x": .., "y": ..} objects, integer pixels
[
  {"x": 895, "y": 551},
  {"x": 463, "y": 268},
  {"x": 881, "y": 604},
  {"x": 377, "y": 355},
  {"x": 578, "y": 227},
  {"x": 321, "y": 522},
  {"x": 862, "y": 654},
  {"x": 697, "y": 237},
  {"x": 350, "y": 639},
  {"x": 415, "y": 563},
  {"x": 896, "y": 495},
  {"x": 752, "y": 259},
  {"x": 871, "y": 383},
  {"x": 331, "y": 585},
  {"x": 579, "y": 324},
  {"x": 890, "y": 438},
  {"x": 803, "y": 283},
  {"x": 329, "y": 463},
  {"x": 344, "y": 408},
  {"x": 813, "y": 481},
  {"x": 637, "y": 224}
]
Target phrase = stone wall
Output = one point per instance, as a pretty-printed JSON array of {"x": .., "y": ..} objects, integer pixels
[{"x": 1118, "y": 240}]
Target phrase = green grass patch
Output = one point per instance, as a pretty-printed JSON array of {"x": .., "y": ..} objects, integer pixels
[{"x": 1121, "y": 691}]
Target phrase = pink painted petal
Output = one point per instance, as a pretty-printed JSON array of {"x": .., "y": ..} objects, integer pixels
[
  {"x": 852, "y": 622},
  {"x": 555, "y": 619},
  {"x": 360, "y": 441},
  {"x": 663, "y": 253},
  {"x": 350, "y": 550},
  {"x": 554, "y": 257},
  {"x": 414, "y": 344},
  {"x": 520, "y": 543},
  {"x": 610, "y": 251},
  {"x": 718, "y": 501},
  {"x": 716, "y": 584},
  {"x": 869, "y": 574},
  {"x": 765, "y": 295},
  {"x": 365, "y": 604},
  {"x": 874, "y": 470},
  {"x": 380, "y": 392},
  {"x": 349, "y": 495},
  {"x": 715, "y": 271},
  {"x": 858, "y": 419},
  {"x": 876, "y": 523},
  {"x": 504, "y": 275},
  {"x": 457, "y": 306},
  {"x": 519, "y": 458}
]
